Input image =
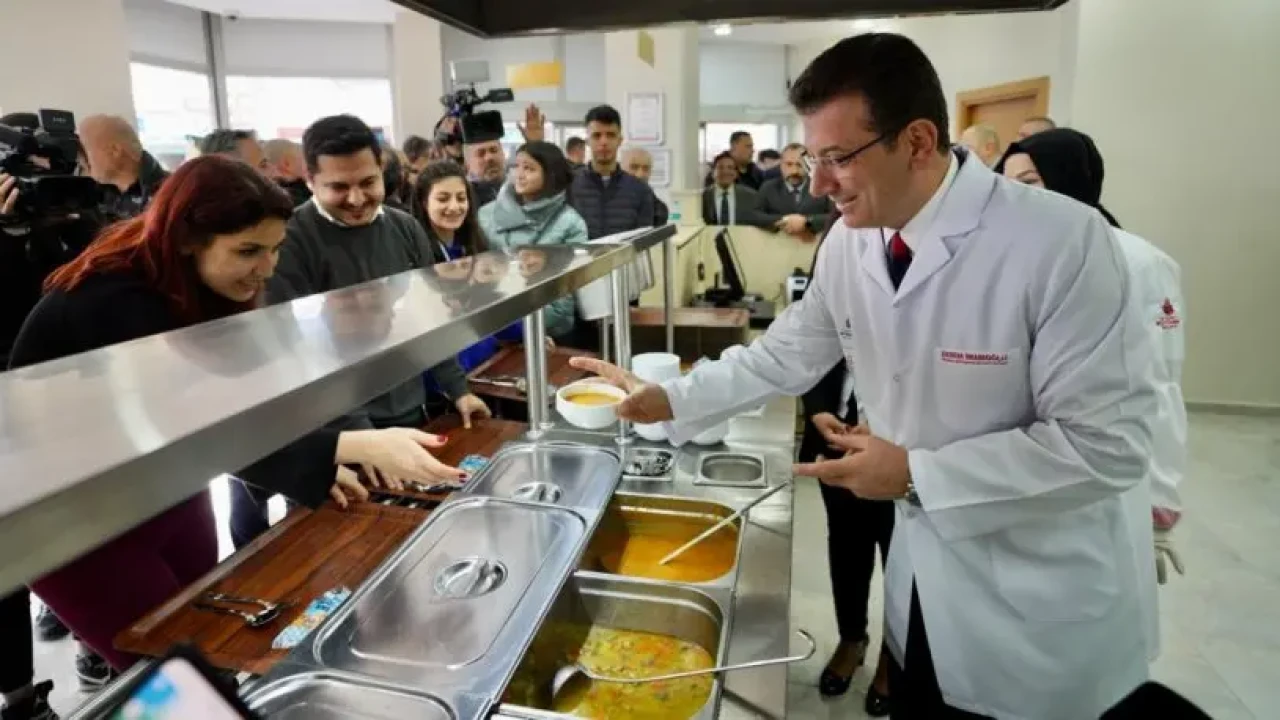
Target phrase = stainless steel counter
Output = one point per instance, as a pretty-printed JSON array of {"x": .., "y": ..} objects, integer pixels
[
  {"x": 761, "y": 607},
  {"x": 93, "y": 444}
]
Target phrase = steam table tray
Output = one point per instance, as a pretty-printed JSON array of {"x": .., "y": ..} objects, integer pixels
[{"x": 304, "y": 555}]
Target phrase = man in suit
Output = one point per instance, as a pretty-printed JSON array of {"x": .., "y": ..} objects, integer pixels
[
  {"x": 726, "y": 202},
  {"x": 742, "y": 149},
  {"x": 786, "y": 203}
]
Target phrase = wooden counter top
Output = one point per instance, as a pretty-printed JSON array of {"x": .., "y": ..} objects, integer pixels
[
  {"x": 304, "y": 555},
  {"x": 509, "y": 362},
  {"x": 692, "y": 317}
]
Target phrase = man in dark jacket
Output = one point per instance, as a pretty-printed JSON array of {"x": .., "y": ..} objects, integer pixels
[
  {"x": 787, "y": 203},
  {"x": 610, "y": 200},
  {"x": 129, "y": 176}
]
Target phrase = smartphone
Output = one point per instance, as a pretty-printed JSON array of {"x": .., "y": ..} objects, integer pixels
[{"x": 181, "y": 685}]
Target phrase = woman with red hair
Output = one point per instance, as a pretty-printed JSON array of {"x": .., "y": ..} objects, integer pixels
[{"x": 203, "y": 250}]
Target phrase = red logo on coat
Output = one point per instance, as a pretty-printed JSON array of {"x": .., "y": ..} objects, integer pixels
[{"x": 1168, "y": 319}]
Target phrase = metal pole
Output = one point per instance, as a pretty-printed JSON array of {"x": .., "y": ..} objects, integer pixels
[
  {"x": 604, "y": 339},
  {"x": 621, "y": 335},
  {"x": 669, "y": 291},
  {"x": 535, "y": 368}
]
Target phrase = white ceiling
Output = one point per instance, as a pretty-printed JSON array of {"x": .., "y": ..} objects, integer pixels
[
  {"x": 789, "y": 33},
  {"x": 374, "y": 11}
]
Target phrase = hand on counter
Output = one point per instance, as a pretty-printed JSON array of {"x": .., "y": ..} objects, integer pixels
[
  {"x": 645, "y": 403},
  {"x": 393, "y": 455},
  {"x": 347, "y": 487},
  {"x": 469, "y": 406},
  {"x": 872, "y": 468}
]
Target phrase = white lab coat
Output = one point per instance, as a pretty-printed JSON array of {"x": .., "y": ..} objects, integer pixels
[
  {"x": 1157, "y": 291},
  {"x": 1012, "y": 365}
]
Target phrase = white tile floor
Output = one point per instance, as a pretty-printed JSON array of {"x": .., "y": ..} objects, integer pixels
[{"x": 1221, "y": 622}]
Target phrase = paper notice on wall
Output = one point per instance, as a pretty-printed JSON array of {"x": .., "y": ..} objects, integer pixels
[
  {"x": 644, "y": 122},
  {"x": 535, "y": 75},
  {"x": 660, "y": 175}
]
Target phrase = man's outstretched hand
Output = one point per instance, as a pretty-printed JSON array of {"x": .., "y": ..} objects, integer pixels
[{"x": 645, "y": 403}]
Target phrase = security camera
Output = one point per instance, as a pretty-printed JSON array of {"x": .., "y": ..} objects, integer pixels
[{"x": 232, "y": 15}]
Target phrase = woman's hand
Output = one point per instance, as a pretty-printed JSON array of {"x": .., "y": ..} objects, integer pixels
[
  {"x": 645, "y": 403},
  {"x": 396, "y": 454},
  {"x": 347, "y": 487},
  {"x": 471, "y": 406}
]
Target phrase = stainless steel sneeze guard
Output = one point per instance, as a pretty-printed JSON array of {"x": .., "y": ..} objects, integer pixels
[{"x": 94, "y": 444}]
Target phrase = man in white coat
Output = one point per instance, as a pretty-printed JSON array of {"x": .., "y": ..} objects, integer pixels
[{"x": 1007, "y": 391}]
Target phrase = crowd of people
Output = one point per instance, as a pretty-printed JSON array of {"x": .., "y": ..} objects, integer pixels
[{"x": 1069, "y": 413}]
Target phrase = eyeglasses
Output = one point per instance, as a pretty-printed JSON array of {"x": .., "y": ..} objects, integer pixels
[{"x": 831, "y": 162}]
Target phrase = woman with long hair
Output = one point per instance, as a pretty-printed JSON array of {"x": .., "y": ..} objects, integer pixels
[
  {"x": 533, "y": 209},
  {"x": 202, "y": 251}
]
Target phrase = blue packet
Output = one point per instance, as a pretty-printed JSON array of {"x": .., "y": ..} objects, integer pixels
[
  {"x": 317, "y": 610},
  {"x": 473, "y": 464}
]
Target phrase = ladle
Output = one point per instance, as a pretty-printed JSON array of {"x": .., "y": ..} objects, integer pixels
[
  {"x": 715, "y": 528},
  {"x": 577, "y": 672}
]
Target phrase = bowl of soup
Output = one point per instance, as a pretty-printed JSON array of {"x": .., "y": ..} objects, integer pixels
[{"x": 589, "y": 404}]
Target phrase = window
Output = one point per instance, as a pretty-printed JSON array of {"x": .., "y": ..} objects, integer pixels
[
  {"x": 714, "y": 137},
  {"x": 283, "y": 107},
  {"x": 171, "y": 105}
]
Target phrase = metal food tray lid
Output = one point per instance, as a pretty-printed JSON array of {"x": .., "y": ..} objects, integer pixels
[
  {"x": 444, "y": 603},
  {"x": 553, "y": 473}
]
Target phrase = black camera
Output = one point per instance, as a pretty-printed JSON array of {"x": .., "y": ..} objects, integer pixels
[
  {"x": 42, "y": 156},
  {"x": 473, "y": 127}
]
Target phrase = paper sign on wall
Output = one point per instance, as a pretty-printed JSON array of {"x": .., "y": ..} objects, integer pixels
[
  {"x": 644, "y": 47},
  {"x": 660, "y": 174},
  {"x": 644, "y": 122},
  {"x": 535, "y": 75}
]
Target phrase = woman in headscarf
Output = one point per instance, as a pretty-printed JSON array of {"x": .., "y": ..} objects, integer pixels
[{"x": 1067, "y": 162}]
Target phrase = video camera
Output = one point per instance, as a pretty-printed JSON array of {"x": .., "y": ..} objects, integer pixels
[
  {"x": 473, "y": 127},
  {"x": 42, "y": 156}
]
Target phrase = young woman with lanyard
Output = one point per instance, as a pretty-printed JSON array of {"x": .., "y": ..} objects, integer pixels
[{"x": 202, "y": 251}]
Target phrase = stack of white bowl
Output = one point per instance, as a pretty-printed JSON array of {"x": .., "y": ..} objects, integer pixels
[{"x": 654, "y": 368}]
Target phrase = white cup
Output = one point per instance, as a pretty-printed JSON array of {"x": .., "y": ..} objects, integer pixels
[{"x": 656, "y": 367}]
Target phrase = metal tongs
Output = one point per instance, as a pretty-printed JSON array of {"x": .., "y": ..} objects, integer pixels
[
  {"x": 519, "y": 384},
  {"x": 270, "y": 610}
]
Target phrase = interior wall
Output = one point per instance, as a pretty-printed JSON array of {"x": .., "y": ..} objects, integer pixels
[
  {"x": 1181, "y": 99},
  {"x": 163, "y": 33},
  {"x": 743, "y": 81},
  {"x": 297, "y": 48},
  {"x": 91, "y": 77},
  {"x": 976, "y": 51}
]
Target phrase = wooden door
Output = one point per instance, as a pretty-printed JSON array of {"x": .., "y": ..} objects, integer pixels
[{"x": 1003, "y": 107}]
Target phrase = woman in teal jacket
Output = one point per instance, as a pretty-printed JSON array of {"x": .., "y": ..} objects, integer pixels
[{"x": 533, "y": 209}]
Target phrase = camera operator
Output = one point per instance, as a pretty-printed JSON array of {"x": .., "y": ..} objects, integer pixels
[
  {"x": 129, "y": 175},
  {"x": 34, "y": 240}
]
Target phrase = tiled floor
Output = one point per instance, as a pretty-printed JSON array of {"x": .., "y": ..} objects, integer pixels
[{"x": 1221, "y": 622}]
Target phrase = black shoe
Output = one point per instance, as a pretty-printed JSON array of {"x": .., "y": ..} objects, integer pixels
[
  {"x": 94, "y": 672},
  {"x": 877, "y": 704},
  {"x": 839, "y": 671},
  {"x": 35, "y": 707},
  {"x": 48, "y": 627}
]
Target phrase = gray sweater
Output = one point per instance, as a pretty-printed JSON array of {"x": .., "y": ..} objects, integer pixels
[{"x": 320, "y": 255}]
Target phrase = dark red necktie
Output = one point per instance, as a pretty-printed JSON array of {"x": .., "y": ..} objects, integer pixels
[{"x": 899, "y": 259}]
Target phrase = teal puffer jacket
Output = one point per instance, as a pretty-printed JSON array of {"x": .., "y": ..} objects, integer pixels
[{"x": 548, "y": 221}]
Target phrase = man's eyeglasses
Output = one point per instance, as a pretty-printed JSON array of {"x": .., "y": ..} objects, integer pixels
[{"x": 831, "y": 162}]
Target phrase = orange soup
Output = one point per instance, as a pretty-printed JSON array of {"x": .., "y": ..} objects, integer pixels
[
  {"x": 591, "y": 397},
  {"x": 634, "y": 547}
]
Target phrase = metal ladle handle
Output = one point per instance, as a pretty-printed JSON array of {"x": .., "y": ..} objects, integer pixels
[{"x": 813, "y": 647}]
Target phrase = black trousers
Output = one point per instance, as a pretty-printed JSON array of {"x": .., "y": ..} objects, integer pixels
[
  {"x": 855, "y": 528},
  {"x": 17, "y": 655},
  {"x": 914, "y": 688}
]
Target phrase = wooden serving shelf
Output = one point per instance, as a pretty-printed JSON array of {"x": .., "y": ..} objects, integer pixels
[
  {"x": 303, "y": 556},
  {"x": 509, "y": 362}
]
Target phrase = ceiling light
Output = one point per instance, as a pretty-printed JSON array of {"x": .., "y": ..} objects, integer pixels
[
  {"x": 864, "y": 25},
  {"x": 722, "y": 30}
]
